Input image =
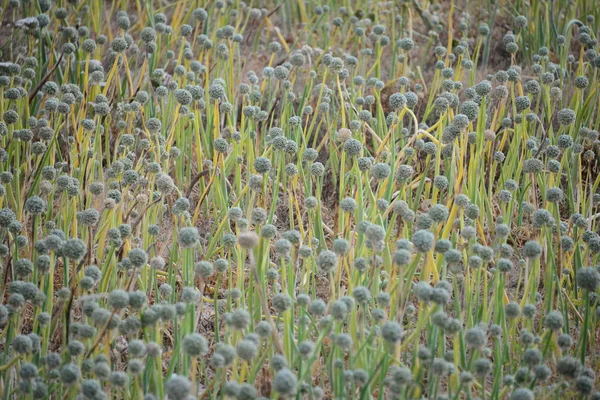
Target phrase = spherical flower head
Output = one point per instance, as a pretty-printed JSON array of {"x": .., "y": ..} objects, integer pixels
[
  {"x": 423, "y": 291},
  {"x": 97, "y": 188},
  {"x": 188, "y": 237},
  {"x": 216, "y": 91},
  {"x": 70, "y": 374},
  {"x": 532, "y": 357},
  {"x": 495, "y": 331},
  {"x": 35, "y": 205},
  {"x": 472, "y": 211},
  {"x": 441, "y": 104},
  {"x": 200, "y": 14},
  {"x": 438, "y": 213},
  {"x": 343, "y": 341},
  {"x": 138, "y": 257},
  {"x": 119, "y": 45},
  {"x": 194, "y": 345},
  {"x": 453, "y": 256},
  {"x": 584, "y": 384},
  {"x": 220, "y": 145},
  {"x": 504, "y": 265},
  {"x": 28, "y": 371},
  {"x": 339, "y": 310},
  {"x": 183, "y": 96},
  {"x": 353, "y": 147},
  {"x": 470, "y": 109},
  {"x": 400, "y": 207},
  {"x": 137, "y": 348},
  {"x": 217, "y": 361},
  {"x": 375, "y": 235},
  {"x": 554, "y": 195},
  {"x": 75, "y": 348},
  {"x": 165, "y": 184},
  {"x": 405, "y": 44},
  {"x": 153, "y": 125},
  {"x": 343, "y": 135},
  {"x": 204, "y": 269},
  {"x": 43, "y": 318},
  {"x": 240, "y": 319},
  {"x": 569, "y": 367},
  {"x": 502, "y": 230},
  {"x": 532, "y": 249},
  {"x": 506, "y": 251},
  {"x": 297, "y": 59},
  {"x": 529, "y": 311},
  {"x": 178, "y": 387},
  {"x": 118, "y": 299},
  {"x": 74, "y": 249},
  {"x": 22, "y": 344},
  {"x": 526, "y": 337},
  {"x": 554, "y": 321},
  {"x": 380, "y": 171},
  {"x": 124, "y": 230},
  {"x": 566, "y": 116},
  {"x": 532, "y": 87},
  {"x": 283, "y": 247},
  {"x": 361, "y": 294},
  {"x": 512, "y": 309},
  {"x": 564, "y": 141},
  {"x": 391, "y": 332},
  {"x": 542, "y": 372},
  {"x": 588, "y": 279},
  {"x": 348, "y": 204},
  {"x": 423, "y": 240},
  {"x": 310, "y": 155},
  {"x": 263, "y": 329},
  {"x": 475, "y": 337},
  {"x": 248, "y": 240},
  {"x": 246, "y": 349},
  {"x": 280, "y": 72},
  {"x": 483, "y": 88},
  {"x": 541, "y": 218},
  {"x": 235, "y": 213},
  {"x": 181, "y": 205},
  {"x": 402, "y": 257},
  {"x": 269, "y": 231},
  {"x": 262, "y": 165},
  {"x": 165, "y": 290},
  {"x": 281, "y": 302},
  {"x": 88, "y": 217},
  {"x": 521, "y": 21},
  {"x": 23, "y": 267},
  {"x": 306, "y": 349},
  {"x": 91, "y": 388},
  {"x": 148, "y": 34},
  {"x": 317, "y": 307},
  {"x": 340, "y": 246},
  {"x": 285, "y": 382},
  {"x": 482, "y": 367},
  {"x": 157, "y": 263},
  {"x": 397, "y": 101},
  {"x": 186, "y": 30},
  {"x": 278, "y": 362},
  {"x": 326, "y": 261},
  {"x": 440, "y": 295},
  {"x": 522, "y": 394},
  {"x": 226, "y": 354},
  {"x": 440, "y": 182},
  {"x": 462, "y": 200}
]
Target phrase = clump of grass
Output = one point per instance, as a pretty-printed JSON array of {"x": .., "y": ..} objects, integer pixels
[{"x": 367, "y": 200}]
